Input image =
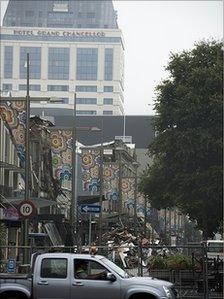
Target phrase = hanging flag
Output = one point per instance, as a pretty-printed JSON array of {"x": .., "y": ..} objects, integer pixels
[
  {"x": 61, "y": 150},
  {"x": 13, "y": 115},
  {"x": 91, "y": 174},
  {"x": 91, "y": 169},
  {"x": 128, "y": 192},
  {"x": 110, "y": 181}
]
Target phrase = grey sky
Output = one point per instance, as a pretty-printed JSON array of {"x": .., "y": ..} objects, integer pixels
[{"x": 153, "y": 29}]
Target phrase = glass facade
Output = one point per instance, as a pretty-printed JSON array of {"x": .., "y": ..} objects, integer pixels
[
  {"x": 8, "y": 60},
  {"x": 33, "y": 87},
  {"x": 57, "y": 88},
  {"x": 35, "y": 62},
  {"x": 85, "y": 88},
  {"x": 87, "y": 64},
  {"x": 60, "y": 19},
  {"x": 61, "y": 14},
  {"x": 108, "y": 88},
  {"x": 108, "y": 101},
  {"x": 86, "y": 101},
  {"x": 29, "y": 13},
  {"x": 86, "y": 112},
  {"x": 58, "y": 63},
  {"x": 108, "y": 65}
]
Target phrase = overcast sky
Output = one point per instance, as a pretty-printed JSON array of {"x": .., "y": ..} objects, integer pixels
[{"x": 153, "y": 29}]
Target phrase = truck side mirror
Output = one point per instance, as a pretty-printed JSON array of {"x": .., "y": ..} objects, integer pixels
[{"x": 111, "y": 277}]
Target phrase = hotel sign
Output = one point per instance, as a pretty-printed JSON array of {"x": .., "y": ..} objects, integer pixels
[{"x": 68, "y": 33}]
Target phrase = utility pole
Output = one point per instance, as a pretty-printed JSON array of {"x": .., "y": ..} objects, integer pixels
[
  {"x": 120, "y": 187},
  {"x": 27, "y": 160},
  {"x": 101, "y": 185},
  {"x": 170, "y": 219},
  {"x": 135, "y": 198},
  {"x": 145, "y": 214},
  {"x": 165, "y": 229}
]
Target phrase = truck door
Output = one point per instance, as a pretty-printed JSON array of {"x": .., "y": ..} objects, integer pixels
[
  {"x": 52, "y": 281},
  {"x": 91, "y": 285}
]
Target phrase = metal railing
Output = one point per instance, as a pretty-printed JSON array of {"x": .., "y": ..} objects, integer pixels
[{"x": 195, "y": 276}]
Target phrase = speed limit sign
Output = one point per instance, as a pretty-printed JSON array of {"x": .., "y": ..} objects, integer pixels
[{"x": 26, "y": 209}]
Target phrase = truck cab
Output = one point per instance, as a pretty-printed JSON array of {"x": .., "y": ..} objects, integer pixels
[{"x": 54, "y": 276}]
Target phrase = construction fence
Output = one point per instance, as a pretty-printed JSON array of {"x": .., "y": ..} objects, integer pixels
[{"x": 189, "y": 268}]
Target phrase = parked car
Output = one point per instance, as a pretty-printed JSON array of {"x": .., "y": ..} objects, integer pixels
[{"x": 53, "y": 275}]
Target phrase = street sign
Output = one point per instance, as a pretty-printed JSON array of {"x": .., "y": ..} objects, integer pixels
[
  {"x": 95, "y": 209},
  {"x": 26, "y": 209},
  {"x": 11, "y": 266}
]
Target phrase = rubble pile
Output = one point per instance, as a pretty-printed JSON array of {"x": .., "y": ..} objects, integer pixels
[
  {"x": 120, "y": 236},
  {"x": 124, "y": 245}
]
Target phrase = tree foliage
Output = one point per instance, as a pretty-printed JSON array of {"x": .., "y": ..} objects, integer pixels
[{"x": 187, "y": 165}]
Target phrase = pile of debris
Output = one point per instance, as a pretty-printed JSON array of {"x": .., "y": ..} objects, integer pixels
[{"x": 123, "y": 246}]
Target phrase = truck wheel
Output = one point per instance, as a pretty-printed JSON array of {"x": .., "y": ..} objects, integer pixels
[
  {"x": 142, "y": 296},
  {"x": 13, "y": 295}
]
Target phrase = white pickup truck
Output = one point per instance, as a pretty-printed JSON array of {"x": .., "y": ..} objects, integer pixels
[{"x": 54, "y": 276}]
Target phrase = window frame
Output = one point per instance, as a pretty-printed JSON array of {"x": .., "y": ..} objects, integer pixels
[
  {"x": 89, "y": 261},
  {"x": 50, "y": 277}
]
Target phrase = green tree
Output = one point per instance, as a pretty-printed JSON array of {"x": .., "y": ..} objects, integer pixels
[{"x": 187, "y": 165}]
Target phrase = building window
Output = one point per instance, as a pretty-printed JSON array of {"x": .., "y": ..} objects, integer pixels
[
  {"x": 87, "y": 61},
  {"x": 32, "y": 87},
  {"x": 29, "y": 13},
  {"x": 86, "y": 88},
  {"x": 86, "y": 101},
  {"x": 86, "y": 112},
  {"x": 8, "y": 62},
  {"x": 57, "y": 88},
  {"x": 58, "y": 63},
  {"x": 53, "y": 268},
  {"x": 6, "y": 87},
  {"x": 108, "y": 65},
  {"x": 108, "y": 101},
  {"x": 65, "y": 100},
  {"x": 107, "y": 112},
  {"x": 108, "y": 88},
  {"x": 35, "y": 62}
]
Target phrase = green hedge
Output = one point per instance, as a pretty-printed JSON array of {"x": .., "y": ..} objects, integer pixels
[{"x": 171, "y": 262}]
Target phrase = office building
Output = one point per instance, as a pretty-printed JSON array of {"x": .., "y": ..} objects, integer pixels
[{"x": 74, "y": 46}]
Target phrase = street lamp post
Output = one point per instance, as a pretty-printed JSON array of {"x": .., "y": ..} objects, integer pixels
[
  {"x": 25, "y": 224},
  {"x": 27, "y": 160}
]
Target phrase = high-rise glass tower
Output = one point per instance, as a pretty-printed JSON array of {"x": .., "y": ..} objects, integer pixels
[{"x": 74, "y": 46}]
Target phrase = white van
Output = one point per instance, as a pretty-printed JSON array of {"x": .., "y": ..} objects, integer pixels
[{"x": 215, "y": 249}]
